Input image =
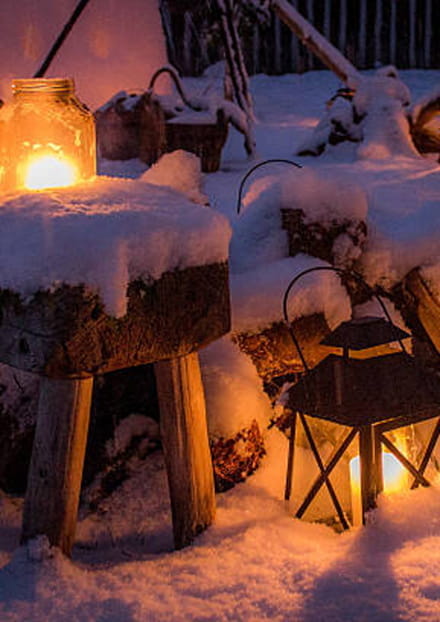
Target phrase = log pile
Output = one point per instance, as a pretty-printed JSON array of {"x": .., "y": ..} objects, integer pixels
[
  {"x": 236, "y": 458},
  {"x": 318, "y": 240},
  {"x": 272, "y": 350}
]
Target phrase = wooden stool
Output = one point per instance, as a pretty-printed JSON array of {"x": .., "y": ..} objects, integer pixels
[{"x": 66, "y": 337}]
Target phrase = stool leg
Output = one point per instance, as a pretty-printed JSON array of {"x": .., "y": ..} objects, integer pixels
[
  {"x": 367, "y": 464},
  {"x": 186, "y": 446},
  {"x": 54, "y": 480}
]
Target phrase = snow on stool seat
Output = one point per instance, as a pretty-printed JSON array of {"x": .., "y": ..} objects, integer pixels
[{"x": 103, "y": 276}]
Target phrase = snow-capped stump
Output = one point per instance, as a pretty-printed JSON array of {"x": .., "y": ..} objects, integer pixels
[
  {"x": 317, "y": 304},
  {"x": 338, "y": 241},
  {"x": 322, "y": 214},
  {"x": 114, "y": 274}
]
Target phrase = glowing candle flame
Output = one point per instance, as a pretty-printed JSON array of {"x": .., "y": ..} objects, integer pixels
[{"x": 49, "y": 172}]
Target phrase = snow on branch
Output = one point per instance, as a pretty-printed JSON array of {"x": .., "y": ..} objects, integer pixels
[{"x": 316, "y": 43}]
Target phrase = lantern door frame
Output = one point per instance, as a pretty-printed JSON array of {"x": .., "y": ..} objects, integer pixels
[{"x": 371, "y": 438}]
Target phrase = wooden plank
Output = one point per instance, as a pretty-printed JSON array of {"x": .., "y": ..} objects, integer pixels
[
  {"x": 55, "y": 473},
  {"x": 186, "y": 446},
  {"x": 427, "y": 34},
  {"x": 393, "y": 33},
  {"x": 362, "y": 45}
]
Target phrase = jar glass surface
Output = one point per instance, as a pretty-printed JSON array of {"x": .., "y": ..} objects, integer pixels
[{"x": 49, "y": 136}]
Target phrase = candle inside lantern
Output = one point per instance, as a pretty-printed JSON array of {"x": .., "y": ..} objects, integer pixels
[
  {"x": 395, "y": 479},
  {"x": 49, "y": 136}
]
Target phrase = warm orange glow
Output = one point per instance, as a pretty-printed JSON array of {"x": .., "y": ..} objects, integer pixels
[
  {"x": 395, "y": 479},
  {"x": 49, "y": 172},
  {"x": 48, "y": 136}
]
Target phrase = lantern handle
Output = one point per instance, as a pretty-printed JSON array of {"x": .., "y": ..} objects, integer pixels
[
  {"x": 342, "y": 273},
  {"x": 271, "y": 161}
]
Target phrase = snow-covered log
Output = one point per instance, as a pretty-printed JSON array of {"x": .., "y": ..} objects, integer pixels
[
  {"x": 425, "y": 124},
  {"x": 272, "y": 350},
  {"x": 316, "y": 43},
  {"x": 421, "y": 305},
  {"x": 237, "y": 457}
]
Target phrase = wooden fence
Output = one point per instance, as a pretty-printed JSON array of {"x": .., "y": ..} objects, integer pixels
[{"x": 404, "y": 33}]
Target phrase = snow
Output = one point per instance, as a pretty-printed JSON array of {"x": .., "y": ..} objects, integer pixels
[
  {"x": 233, "y": 390},
  {"x": 181, "y": 171},
  {"x": 257, "y": 295},
  {"x": 256, "y": 562},
  {"x": 104, "y": 234}
]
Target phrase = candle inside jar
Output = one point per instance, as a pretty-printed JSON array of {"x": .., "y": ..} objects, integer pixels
[{"x": 49, "y": 171}]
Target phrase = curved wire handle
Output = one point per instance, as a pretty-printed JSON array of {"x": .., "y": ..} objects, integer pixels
[
  {"x": 254, "y": 168},
  {"x": 343, "y": 273}
]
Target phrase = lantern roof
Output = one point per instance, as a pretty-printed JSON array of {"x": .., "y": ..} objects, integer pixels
[
  {"x": 363, "y": 333},
  {"x": 357, "y": 392}
]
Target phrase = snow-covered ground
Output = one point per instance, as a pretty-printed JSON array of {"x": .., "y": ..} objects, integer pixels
[{"x": 256, "y": 562}]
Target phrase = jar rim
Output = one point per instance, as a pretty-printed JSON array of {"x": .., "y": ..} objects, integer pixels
[{"x": 42, "y": 85}]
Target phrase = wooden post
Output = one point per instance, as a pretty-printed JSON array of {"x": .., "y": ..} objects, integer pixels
[
  {"x": 186, "y": 446},
  {"x": 55, "y": 473},
  {"x": 368, "y": 478}
]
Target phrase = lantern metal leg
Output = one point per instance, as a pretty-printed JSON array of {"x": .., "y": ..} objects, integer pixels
[
  {"x": 291, "y": 457},
  {"x": 428, "y": 453},
  {"x": 378, "y": 462},
  {"x": 367, "y": 464},
  {"x": 419, "y": 477},
  {"x": 333, "y": 461}
]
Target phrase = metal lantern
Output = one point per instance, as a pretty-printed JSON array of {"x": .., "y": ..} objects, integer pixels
[
  {"x": 371, "y": 395},
  {"x": 47, "y": 136}
]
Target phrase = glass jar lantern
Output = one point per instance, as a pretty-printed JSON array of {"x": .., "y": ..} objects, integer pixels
[{"x": 48, "y": 136}]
